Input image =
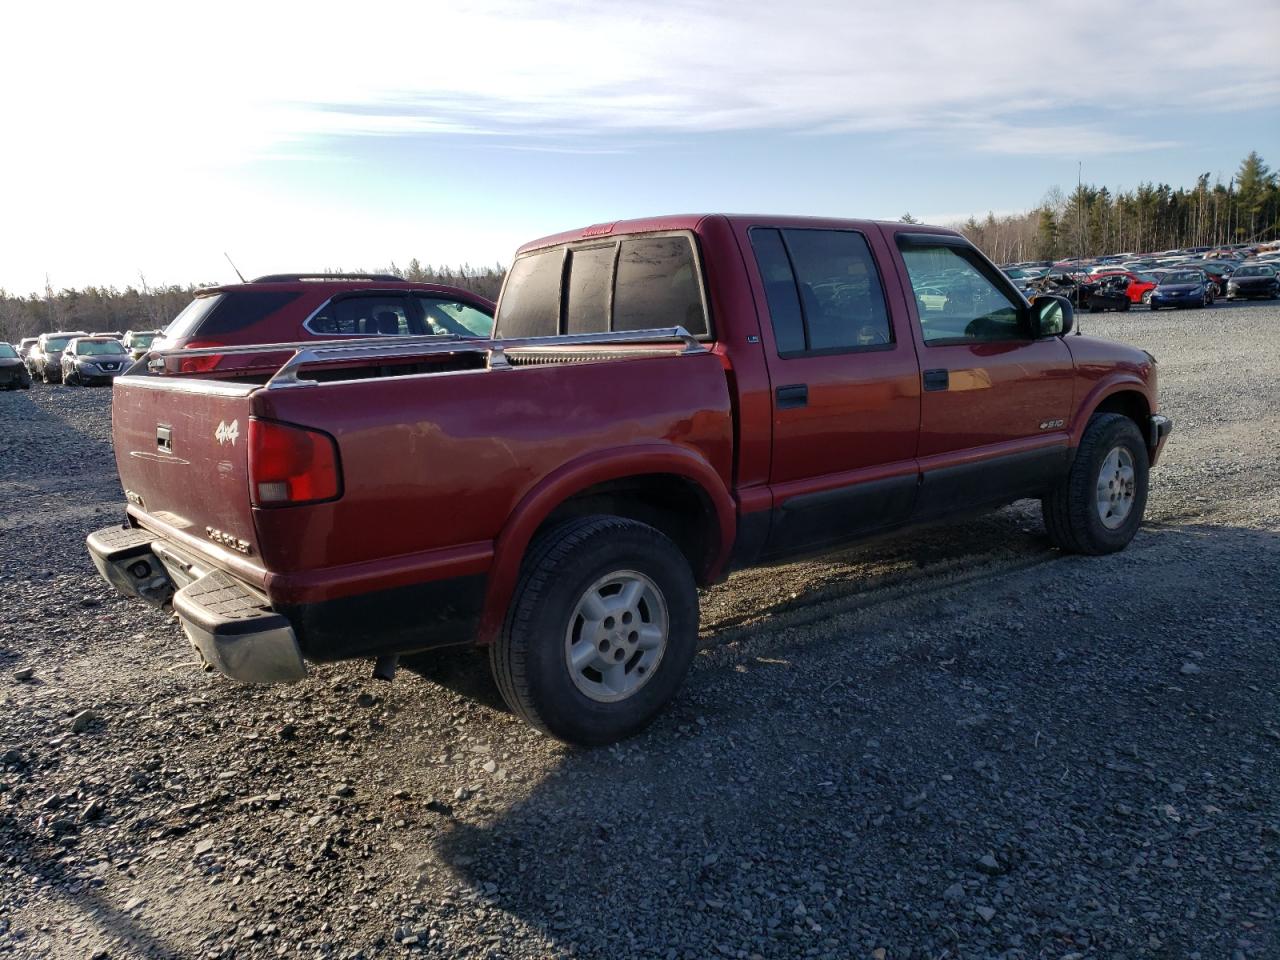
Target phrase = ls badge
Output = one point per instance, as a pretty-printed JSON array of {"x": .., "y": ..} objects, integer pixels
[{"x": 227, "y": 432}]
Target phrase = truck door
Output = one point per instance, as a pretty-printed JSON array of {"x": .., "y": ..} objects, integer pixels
[
  {"x": 996, "y": 401},
  {"x": 846, "y": 387}
]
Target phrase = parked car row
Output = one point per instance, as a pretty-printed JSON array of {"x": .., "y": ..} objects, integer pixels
[
  {"x": 76, "y": 357},
  {"x": 1257, "y": 266}
]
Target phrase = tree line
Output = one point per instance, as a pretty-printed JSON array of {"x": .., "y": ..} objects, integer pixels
[
  {"x": 1092, "y": 221},
  {"x": 144, "y": 307}
]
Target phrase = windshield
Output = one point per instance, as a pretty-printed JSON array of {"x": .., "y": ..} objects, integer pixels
[
  {"x": 56, "y": 344},
  {"x": 99, "y": 348},
  {"x": 7, "y": 351},
  {"x": 1256, "y": 272},
  {"x": 142, "y": 340},
  {"x": 1182, "y": 276}
]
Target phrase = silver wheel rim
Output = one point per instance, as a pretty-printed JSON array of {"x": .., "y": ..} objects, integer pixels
[
  {"x": 1116, "y": 485},
  {"x": 616, "y": 636}
]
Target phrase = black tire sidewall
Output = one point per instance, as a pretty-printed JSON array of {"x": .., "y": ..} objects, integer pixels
[
  {"x": 564, "y": 710},
  {"x": 1111, "y": 433}
]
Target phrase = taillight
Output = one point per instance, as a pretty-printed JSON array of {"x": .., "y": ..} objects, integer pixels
[
  {"x": 290, "y": 465},
  {"x": 200, "y": 364}
]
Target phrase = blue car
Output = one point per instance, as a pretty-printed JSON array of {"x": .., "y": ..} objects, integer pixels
[{"x": 1182, "y": 288}]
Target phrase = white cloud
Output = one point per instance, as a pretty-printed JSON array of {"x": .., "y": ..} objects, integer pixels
[{"x": 112, "y": 109}]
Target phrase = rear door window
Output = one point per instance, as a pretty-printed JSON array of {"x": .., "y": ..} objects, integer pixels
[
  {"x": 384, "y": 315},
  {"x": 657, "y": 286},
  {"x": 823, "y": 291}
]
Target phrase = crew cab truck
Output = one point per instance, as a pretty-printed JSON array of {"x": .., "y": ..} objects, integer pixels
[{"x": 663, "y": 400}]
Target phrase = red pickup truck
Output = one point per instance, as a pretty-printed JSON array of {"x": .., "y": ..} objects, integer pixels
[{"x": 663, "y": 400}]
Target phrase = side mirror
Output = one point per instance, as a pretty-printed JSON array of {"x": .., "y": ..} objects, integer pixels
[{"x": 1051, "y": 316}]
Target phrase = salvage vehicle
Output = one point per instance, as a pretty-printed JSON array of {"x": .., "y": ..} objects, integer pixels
[
  {"x": 44, "y": 360},
  {"x": 13, "y": 372},
  {"x": 1253, "y": 280},
  {"x": 24, "y": 346},
  {"x": 138, "y": 342},
  {"x": 1180, "y": 289},
  {"x": 664, "y": 400},
  {"x": 1105, "y": 293},
  {"x": 307, "y": 307},
  {"x": 95, "y": 359}
]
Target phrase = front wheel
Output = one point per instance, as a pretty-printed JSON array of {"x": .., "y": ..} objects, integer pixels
[
  {"x": 601, "y": 631},
  {"x": 1098, "y": 507}
]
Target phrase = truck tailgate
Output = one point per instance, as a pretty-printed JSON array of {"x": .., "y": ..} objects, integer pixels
[{"x": 182, "y": 454}]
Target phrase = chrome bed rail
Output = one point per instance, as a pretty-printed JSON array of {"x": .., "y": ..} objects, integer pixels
[{"x": 495, "y": 351}]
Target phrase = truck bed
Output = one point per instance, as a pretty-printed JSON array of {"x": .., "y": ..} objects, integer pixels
[{"x": 432, "y": 463}]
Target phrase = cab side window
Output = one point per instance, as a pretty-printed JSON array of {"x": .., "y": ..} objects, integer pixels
[
  {"x": 955, "y": 300},
  {"x": 823, "y": 291}
]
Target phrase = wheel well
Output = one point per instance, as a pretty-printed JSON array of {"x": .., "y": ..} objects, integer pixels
[
  {"x": 1129, "y": 403},
  {"x": 669, "y": 503}
]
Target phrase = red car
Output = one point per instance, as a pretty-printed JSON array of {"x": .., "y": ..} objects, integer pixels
[
  {"x": 666, "y": 400},
  {"x": 1140, "y": 284},
  {"x": 296, "y": 308}
]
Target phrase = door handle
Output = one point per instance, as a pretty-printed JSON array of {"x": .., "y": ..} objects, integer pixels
[
  {"x": 164, "y": 438},
  {"x": 792, "y": 396},
  {"x": 936, "y": 380}
]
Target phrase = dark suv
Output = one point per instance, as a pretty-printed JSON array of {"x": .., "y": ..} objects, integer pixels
[
  {"x": 292, "y": 308},
  {"x": 44, "y": 359}
]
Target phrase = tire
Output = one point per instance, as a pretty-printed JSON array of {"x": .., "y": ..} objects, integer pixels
[
  {"x": 1146, "y": 297},
  {"x": 1124, "y": 307},
  {"x": 563, "y": 569},
  {"x": 44, "y": 374},
  {"x": 1073, "y": 515}
]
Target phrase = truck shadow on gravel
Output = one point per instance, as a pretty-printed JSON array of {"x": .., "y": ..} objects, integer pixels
[
  {"x": 1082, "y": 760},
  {"x": 30, "y": 852}
]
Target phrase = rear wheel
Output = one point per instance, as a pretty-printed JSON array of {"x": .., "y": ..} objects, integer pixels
[
  {"x": 1146, "y": 297},
  {"x": 1098, "y": 507},
  {"x": 601, "y": 630}
]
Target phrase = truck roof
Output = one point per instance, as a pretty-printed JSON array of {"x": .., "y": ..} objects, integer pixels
[{"x": 692, "y": 221}]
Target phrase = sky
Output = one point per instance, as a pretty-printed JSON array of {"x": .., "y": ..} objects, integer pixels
[{"x": 144, "y": 140}]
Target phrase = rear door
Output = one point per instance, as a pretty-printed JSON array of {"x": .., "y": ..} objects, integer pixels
[
  {"x": 845, "y": 382},
  {"x": 995, "y": 401}
]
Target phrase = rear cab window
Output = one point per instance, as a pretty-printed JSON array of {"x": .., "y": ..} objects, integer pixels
[{"x": 627, "y": 283}]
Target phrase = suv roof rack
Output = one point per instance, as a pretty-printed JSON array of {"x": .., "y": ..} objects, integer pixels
[{"x": 293, "y": 277}]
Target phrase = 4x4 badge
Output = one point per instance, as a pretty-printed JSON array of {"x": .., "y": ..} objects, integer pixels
[{"x": 227, "y": 432}]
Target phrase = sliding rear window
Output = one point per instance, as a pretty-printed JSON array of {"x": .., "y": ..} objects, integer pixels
[{"x": 635, "y": 283}]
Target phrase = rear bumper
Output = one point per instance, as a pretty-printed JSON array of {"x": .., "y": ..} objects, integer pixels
[
  {"x": 1158, "y": 430},
  {"x": 230, "y": 625}
]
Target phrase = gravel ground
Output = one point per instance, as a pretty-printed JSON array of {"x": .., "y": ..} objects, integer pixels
[{"x": 954, "y": 744}]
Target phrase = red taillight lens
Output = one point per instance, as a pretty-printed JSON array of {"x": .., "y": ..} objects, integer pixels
[
  {"x": 199, "y": 364},
  {"x": 202, "y": 364},
  {"x": 290, "y": 465}
]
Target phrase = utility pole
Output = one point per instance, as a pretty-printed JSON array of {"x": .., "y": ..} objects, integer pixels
[{"x": 1079, "y": 212}]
